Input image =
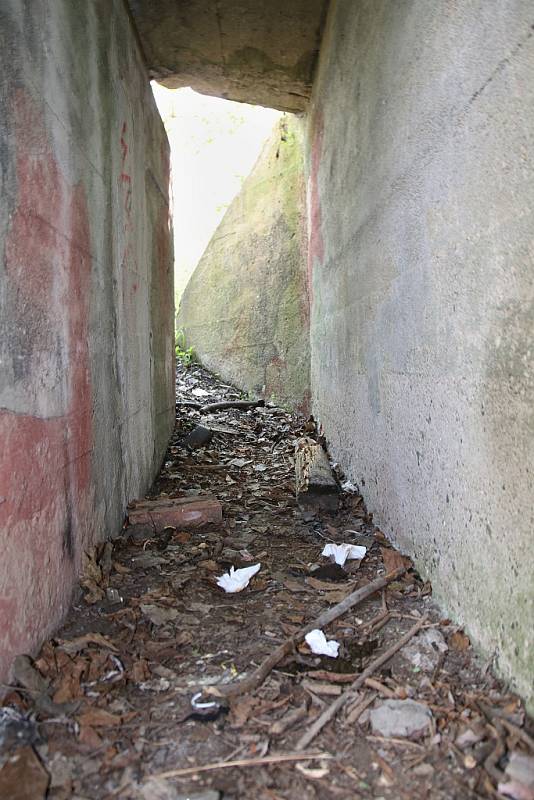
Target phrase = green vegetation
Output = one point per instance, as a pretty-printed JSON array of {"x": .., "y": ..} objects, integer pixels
[{"x": 184, "y": 353}]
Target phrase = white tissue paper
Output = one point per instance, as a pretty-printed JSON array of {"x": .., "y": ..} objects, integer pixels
[
  {"x": 342, "y": 552},
  {"x": 237, "y": 579},
  {"x": 316, "y": 641}
]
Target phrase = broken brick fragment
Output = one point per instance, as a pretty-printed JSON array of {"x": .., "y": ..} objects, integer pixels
[{"x": 182, "y": 512}]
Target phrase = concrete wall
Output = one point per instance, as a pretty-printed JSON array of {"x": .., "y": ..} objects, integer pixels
[
  {"x": 261, "y": 53},
  {"x": 245, "y": 309},
  {"x": 86, "y": 375},
  {"x": 421, "y": 206}
]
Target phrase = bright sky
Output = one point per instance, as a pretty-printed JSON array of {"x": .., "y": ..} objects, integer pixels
[{"x": 214, "y": 145}]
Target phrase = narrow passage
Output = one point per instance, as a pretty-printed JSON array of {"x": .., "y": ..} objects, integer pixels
[{"x": 119, "y": 699}]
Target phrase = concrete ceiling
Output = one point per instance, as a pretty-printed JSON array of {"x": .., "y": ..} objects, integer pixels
[{"x": 254, "y": 51}]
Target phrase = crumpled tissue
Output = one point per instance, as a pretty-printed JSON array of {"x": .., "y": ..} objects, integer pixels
[
  {"x": 237, "y": 579},
  {"x": 318, "y": 644},
  {"x": 342, "y": 552}
]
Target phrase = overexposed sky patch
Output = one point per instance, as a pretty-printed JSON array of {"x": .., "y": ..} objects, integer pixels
[{"x": 214, "y": 145}]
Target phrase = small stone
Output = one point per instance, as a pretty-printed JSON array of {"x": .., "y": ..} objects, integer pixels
[
  {"x": 423, "y": 770},
  {"x": 160, "y": 789},
  {"x": 425, "y": 649},
  {"x": 520, "y": 774},
  {"x": 400, "y": 718}
]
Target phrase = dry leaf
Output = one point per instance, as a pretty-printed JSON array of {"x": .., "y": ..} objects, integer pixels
[
  {"x": 120, "y": 568},
  {"x": 46, "y": 663},
  {"x": 140, "y": 671},
  {"x": 98, "y": 664},
  {"x": 338, "y": 595},
  {"x": 210, "y": 565},
  {"x": 327, "y": 586},
  {"x": 458, "y": 641},
  {"x": 94, "y": 593},
  {"x": 393, "y": 560},
  {"x": 159, "y": 615},
  {"x": 69, "y": 687},
  {"x": 295, "y": 586},
  {"x": 99, "y": 717},
  {"x": 23, "y": 776},
  {"x": 89, "y": 737},
  {"x": 241, "y": 710},
  {"x": 90, "y": 568}
]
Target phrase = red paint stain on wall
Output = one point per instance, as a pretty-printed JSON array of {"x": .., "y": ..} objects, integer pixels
[
  {"x": 45, "y": 464},
  {"x": 125, "y": 177},
  {"x": 315, "y": 236}
]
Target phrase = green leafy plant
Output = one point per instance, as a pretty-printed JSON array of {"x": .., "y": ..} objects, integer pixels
[{"x": 184, "y": 353}]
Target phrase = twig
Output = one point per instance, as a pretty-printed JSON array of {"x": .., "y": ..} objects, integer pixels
[
  {"x": 438, "y": 667},
  {"x": 330, "y": 712},
  {"x": 490, "y": 764},
  {"x": 240, "y": 762},
  {"x": 258, "y": 676},
  {"x": 357, "y": 710},
  {"x": 372, "y": 683},
  {"x": 382, "y": 623},
  {"x": 490, "y": 713},
  {"x": 391, "y": 740},
  {"x": 242, "y": 404},
  {"x": 375, "y": 620},
  {"x": 519, "y": 732}
]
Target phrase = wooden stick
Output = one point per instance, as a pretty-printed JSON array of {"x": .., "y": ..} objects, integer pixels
[
  {"x": 330, "y": 712},
  {"x": 357, "y": 710},
  {"x": 258, "y": 676},
  {"x": 242, "y": 404},
  {"x": 240, "y": 762},
  {"x": 392, "y": 742},
  {"x": 372, "y": 683}
]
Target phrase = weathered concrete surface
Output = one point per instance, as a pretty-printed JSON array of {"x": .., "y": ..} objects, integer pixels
[
  {"x": 86, "y": 374},
  {"x": 245, "y": 309},
  {"x": 421, "y": 205},
  {"x": 260, "y": 53}
]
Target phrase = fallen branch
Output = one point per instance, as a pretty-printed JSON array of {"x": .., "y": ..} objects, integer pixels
[
  {"x": 244, "y": 405},
  {"x": 258, "y": 676},
  {"x": 330, "y": 712},
  {"x": 356, "y": 711},
  {"x": 240, "y": 762}
]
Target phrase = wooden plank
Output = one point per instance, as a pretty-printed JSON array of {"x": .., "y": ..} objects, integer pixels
[{"x": 316, "y": 487}]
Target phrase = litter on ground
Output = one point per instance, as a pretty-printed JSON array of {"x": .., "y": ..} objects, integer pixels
[{"x": 160, "y": 685}]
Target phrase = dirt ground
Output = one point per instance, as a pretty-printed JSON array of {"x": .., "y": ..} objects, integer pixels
[{"x": 105, "y": 710}]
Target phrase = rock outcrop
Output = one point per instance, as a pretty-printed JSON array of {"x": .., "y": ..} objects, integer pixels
[{"x": 245, "y": 310}]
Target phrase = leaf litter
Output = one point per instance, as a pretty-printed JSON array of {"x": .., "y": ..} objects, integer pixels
[{"x": 106, "y": 709}]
